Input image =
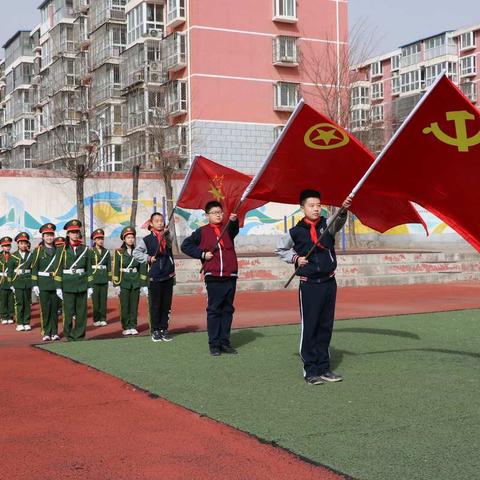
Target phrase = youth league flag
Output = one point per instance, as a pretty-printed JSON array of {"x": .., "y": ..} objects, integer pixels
[
  {"x": 314, "y": 152},
  {"x": 207, "y": 180},
  {"x": 434, "y": 159}
]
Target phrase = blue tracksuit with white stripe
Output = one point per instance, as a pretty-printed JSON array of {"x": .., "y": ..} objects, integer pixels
[{"x": 317, "y": 290}]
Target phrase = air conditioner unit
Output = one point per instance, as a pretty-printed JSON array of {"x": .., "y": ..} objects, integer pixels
[
  {"x": 155, "y": 66},
  {"x": 153, "y": 32},
  {"x": 154, "y": 77}
]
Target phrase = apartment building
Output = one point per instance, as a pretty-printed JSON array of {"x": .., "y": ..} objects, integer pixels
[
  {"x": 387, "y": 87},
  {"x": 144, "y": 77}
]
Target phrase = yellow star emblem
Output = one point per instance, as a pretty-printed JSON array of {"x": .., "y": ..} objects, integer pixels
[{"x": 325, "y": 136}]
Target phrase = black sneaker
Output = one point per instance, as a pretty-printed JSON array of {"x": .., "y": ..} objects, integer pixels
[
  {"x": 314, "y": 380},
  {"x": 228, "y": 349},
  {"x": 330, "y": 376},
  {"x": 215, "y": 351},
  {"x": 165, "y": 336},
  {"x": 156, "y": 336}
]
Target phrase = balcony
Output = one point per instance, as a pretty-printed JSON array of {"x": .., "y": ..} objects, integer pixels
[
  {"x": 177, "y": 98},
  {"x": 175, "y": 52},
  {"x": 176, "y": 13}
]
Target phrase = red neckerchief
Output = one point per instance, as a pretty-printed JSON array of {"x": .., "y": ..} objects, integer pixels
[
  {"x": 162, "y": 243},
  {"x": 313, "y": 230},
  {"x": 75, "y": 244},
  {"x": 218, "y": 232},
  {"x": 7, "y": 255}
]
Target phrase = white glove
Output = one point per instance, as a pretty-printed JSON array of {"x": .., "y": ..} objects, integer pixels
[
  {"x": 144, "y": 291},
  {"x": 36, "y": 291},
  {"x": 117, "y": 291},
  {"x": 59, "y": 293},
  {"x": 89, "y": 292},
  {"x": 12, "y": 288}
]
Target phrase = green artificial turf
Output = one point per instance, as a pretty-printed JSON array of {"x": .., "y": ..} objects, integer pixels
[{"x": 408, "y": 408}]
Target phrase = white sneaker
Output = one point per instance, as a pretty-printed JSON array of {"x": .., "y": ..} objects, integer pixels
[
  {"x": 55, "y": 338},
  {"x": 20, "y": 328},
  {"x": 27, "y": 328},
  {"x": 103, "y": 323},
  {"x": 97, "y": 324},
  {"x": 10, "y": 321},
  {"x": 126, "y": 332},
  {"x": 46, "y": 338},
  {"x": 133, "y": 331},
  {"x": 4, "y": 322}
]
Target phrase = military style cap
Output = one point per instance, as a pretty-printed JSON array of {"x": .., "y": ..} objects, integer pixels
[
  {"x": 22, "y": 236},
  {"x": 127, "y": 231},
  {"x": 59, "y": 241},
  {"x": 73, "y": 226},
  {"x": 6, "y": 241},
  {"x": 98, "y": 233},
  {"x": 47, "y": 228}
]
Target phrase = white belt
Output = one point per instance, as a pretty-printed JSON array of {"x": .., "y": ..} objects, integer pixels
[
  {"x": 129, "y": 270},
  {"x": 22, "y": 272},
  {"x": 73, "y": 271},
  {"x": 45, "y": 274},
  {"x": 100, "y": 267}
]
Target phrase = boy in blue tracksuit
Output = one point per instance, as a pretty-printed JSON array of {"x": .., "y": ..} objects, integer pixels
[{"x": 318, "y": 288}]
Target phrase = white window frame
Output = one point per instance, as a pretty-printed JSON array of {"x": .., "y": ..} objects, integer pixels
[
  {"x": 376, "y": 69},
  {"x": 377, "y": 90},
  {"x": 411, "y": 81},
  {"x": 396, "y": 84},
  {"x": 286, "y": 95},
  {"x": 377, "y": 113},
  {"x": 467, "y": 40},
  {"x": 177, "y": 97},
  {"x": 285, "y": 11},
  {"x": 358, "y": 119},
  {"x": 470, "y": 69},
  {"x": 285, "y": 50},
  {"x": 469, "y": 89},
  {"x": 395, "y": 62},
  {"x": 360, "y": 96},
  {"x": 176, "y": 12}
]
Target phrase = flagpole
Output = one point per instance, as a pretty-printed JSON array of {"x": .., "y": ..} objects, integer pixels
[
  {"x": 371, "y": 168},
  {"x": 274, "y": 148}
]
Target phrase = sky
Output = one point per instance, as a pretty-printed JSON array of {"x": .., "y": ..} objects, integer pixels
[{"x": 394, "y": 22}]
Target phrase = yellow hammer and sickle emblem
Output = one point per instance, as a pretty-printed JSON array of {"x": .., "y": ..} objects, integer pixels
[
  {"x": 462, "y": 141},
  {"x": 325, "y": 133}
]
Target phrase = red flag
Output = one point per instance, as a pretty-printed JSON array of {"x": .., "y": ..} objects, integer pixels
[
  {"x": 434, "y": 160},
  {"x": 207, "y": 180},
  {"x": 314, "y": 152}
]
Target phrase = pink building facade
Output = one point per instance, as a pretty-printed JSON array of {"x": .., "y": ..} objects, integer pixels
[{"x": 387, "y": 87}]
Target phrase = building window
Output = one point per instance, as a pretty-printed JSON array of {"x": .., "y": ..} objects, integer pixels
[
  {"x": 177, "y": 97},
  {"x": 411, "y": 55},
  {"x": 155, "y": 17},
  {"x": 377, "y": 90},
  {"x": 175, "y": 12},
  {"x": 286, "y": 96},
  {"x": 411, "y": 81},
  {"x": 376, "y": 69},
  {"x": 285, "y": 50},
  {"x": 377, "y": 113},
  {"x": 395, "y": 84},
  {"x": 467, "y": 66},
  {"x": 469, "y": 89},
  {"x": 358, "y": 119},
  {"x": 176, "y": 51},
  {"x": 467, "y": 40},
  {"x": 432, "y": 72},
  {"x": 285, "y": 11},
  {"x": 395, "y": 62},
  {"x": 360, "y": 96},
  {"x": 277, "y": 132}
]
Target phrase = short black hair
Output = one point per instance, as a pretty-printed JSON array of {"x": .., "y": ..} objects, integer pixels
[
  {"x": 154, "y": 214},
  {"x": 211, "y": 204},
  {"x": 308, "y": 193}
]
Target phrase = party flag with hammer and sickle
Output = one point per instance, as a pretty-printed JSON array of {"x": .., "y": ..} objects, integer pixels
[{"x": 435, "y": 159}]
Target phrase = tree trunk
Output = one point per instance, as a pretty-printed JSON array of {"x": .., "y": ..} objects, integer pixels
[
  {"x": 352, "y": 235},
  {"x": 167, "y": 180},
  {"x": 135, "y": 179},
  {"x": 80, "y": 194}
]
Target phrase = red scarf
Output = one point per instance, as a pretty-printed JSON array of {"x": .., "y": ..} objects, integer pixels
[
  {"x": 313, "y": 230},
  {"x": 7, "y": 255},
  {"x": 75, "y": 243},
  {"x": 162, "y": 243},
  {"x": 218, "y": 232}
]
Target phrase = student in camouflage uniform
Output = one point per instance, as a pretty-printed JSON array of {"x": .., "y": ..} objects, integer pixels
[
  {"x": 73, "y": 281},
  {"x": 20, "y": 276},
  {"x": 43, "y": 281},
  {"x": 130, "y": 277},
  {"x": 6, "y": 293},
  {"x": 100, "y": 260}
]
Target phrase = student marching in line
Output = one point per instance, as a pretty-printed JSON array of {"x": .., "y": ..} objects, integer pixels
[
  {"x": 219, "y": 260},
  {"x": 130, "y": 278},
  {"x": 7, "y": 299},
  {"x": 20, "y": 276},
  {"x": 73, "y": 281},
  {"x": 318, "y": 288},
  {"x": 156, "y": 251},
  {"x": 43, "y": 271},
  {"x": 101, "y": 273}
]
